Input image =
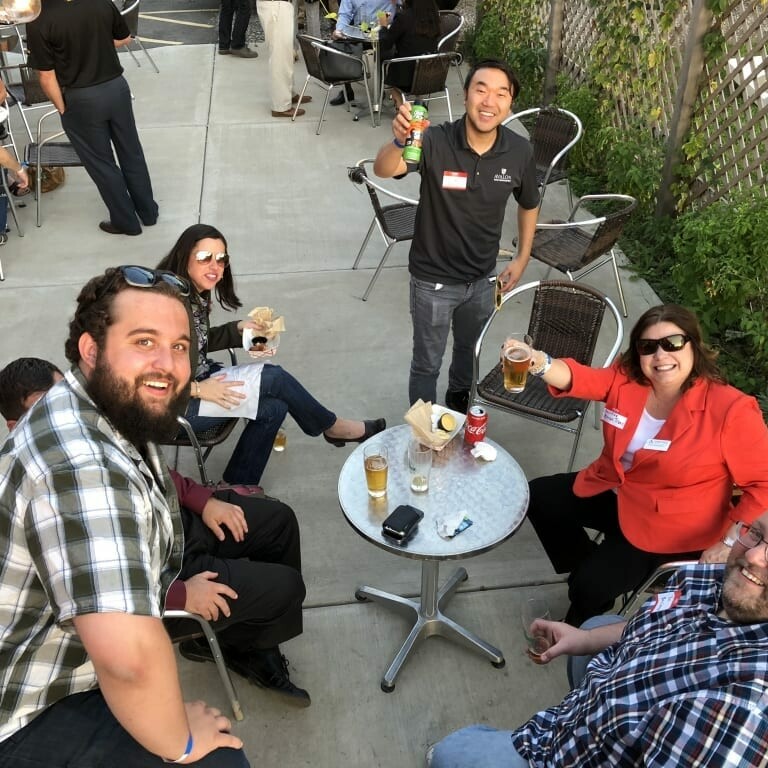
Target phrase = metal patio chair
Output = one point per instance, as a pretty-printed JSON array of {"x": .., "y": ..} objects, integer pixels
[
  {"x": 25, "y": 92},
  {"x": 566, "y": 320},
  {"x": 9, "y": 144},
  {"x": 578, "y": 248},
  {"x": 395, "y": 221},
  {"x": 311, "y": 48},
  {"x": 553, "y": 133},
  {"x": 451, "y": 23},
  {"x": 651, "y": 586},
  {"x": 130, "y": 12}
]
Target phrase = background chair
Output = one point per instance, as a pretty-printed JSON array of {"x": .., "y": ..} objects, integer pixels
[
  {"x": 320, "y": 74},
  {"x": 130, "y": 13},
  {"x": 553, "y": 132},
  {"x": 574, "y": 247},
  {"x": 25, "y": 92},
  {"x": 651, "y": 586},
  {"x": 8, "y": 143},
  {"x": 395, "y": 221},
  {"x": 429, "y": 75},
  {"x": 451, "y": 23},
  {"x": 50, "y": 153},
  {"x": 207, "y": 631},
  {"x": 565, "y": 321},
  {"x": 202, "y": 442}
]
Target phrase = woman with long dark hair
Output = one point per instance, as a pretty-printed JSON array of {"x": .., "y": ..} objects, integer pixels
[
  {"x": 200, "y": 255},
  {"x": 677, "y": 440}
]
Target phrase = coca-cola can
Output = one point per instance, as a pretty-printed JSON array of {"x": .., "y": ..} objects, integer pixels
[{"x": 476, "y": 425}]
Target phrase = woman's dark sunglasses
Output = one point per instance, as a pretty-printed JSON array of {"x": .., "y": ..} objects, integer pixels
[
  {"x": 673, "y": 343},
  {"x": 144, "y": 277},
  {"x": 203, "y": 257}
]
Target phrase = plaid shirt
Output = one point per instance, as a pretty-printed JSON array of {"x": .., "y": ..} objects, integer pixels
[
  {"x": 682, "y": 688},
  {"x": 84, "y": 528}
]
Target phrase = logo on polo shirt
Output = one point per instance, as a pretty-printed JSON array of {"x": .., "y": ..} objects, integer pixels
[{"x": 503, "y": 177}]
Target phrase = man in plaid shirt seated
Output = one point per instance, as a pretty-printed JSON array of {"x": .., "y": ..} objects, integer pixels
[
  {"x": 90, "y": 542},
  {"x": 683, "y": 683}
]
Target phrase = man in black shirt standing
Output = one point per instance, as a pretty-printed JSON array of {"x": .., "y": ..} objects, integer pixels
[
  {"x": 73, "y": 45},
  {"x": 469, "y": 169}
]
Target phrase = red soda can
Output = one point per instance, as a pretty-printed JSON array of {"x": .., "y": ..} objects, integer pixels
[{"x": 475, "y": 425}]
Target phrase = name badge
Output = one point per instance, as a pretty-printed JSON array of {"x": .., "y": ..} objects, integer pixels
[
  {"x": 657, "y": 445},
  {"x": 454, "y": 180},
  {"x": 665, "y": 600},
  {"x": 614, "y": 418}
]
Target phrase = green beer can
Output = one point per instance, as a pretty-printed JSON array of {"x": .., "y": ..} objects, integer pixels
[{"x": 413, "y": 142}]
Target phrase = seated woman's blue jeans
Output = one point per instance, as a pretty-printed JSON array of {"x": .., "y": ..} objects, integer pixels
[{"x": 280, "y": 393}]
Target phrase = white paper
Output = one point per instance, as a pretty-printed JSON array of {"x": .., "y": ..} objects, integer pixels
[{"x": 251, "y": 376}]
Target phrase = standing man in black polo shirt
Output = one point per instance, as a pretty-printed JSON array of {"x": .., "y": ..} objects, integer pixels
[
  {"x": 469, "y": 169},
  {"x": 72, "y": 45}
]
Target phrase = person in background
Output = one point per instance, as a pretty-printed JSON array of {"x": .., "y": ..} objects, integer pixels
[
  {"x": 234, "y": 16},
  {"x": 90, "y": 540},
  {"x": 677, "y": 439}
]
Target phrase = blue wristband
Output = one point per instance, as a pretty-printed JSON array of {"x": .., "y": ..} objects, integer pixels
[
  {"x": 187, "y": 750},
  {"x": 398, "y": 144}
]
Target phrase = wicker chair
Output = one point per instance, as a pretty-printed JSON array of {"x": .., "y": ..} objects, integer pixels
[
  {"x": 553, "y": 132},
  {"x": 565, "y": 321},
  {"x": 429, "y": 75},
  {"x": 395, "y": 221},
  {"x": 651, "y": 586},
  {"x": 311, "y": 48},
  {"x": 451, "y": 23},
  {"x": 25, "y": 91},
  {"x": 576, "y": 247}
]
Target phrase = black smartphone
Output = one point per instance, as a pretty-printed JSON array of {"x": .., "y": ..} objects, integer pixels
[{"x": 402, "y": 523}]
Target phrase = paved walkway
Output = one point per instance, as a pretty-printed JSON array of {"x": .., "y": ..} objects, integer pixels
[{"x": 294, "y": 224}]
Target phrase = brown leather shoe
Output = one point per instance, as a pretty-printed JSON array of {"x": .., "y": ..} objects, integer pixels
[
  {"x": 304, "y": 99},
  {"x": 287, "y": 113}
]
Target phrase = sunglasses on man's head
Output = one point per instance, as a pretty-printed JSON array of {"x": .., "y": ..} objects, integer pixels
[
  {"x": 203, "y": 257},
  {"x": 673, "y": 343},
  {"x": 144, "y": 277}
]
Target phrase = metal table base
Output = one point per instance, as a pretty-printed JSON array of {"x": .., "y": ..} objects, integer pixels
[{"x": 430, "y": 619}]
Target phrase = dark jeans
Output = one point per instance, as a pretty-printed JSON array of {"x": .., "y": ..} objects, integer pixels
[
  {"x": 434, "y": 310},
  {"x": 599, "y": 573},
  {"x": 79, "y": 730},
  {"x": 233, "y": 36},
  {"x": 264, "y": 569},
  {"x": 279, "y": 395}
]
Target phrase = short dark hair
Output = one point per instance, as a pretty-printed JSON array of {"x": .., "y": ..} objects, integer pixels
[
  {"x": 177, "y": 261},
  {"x": 704, "y": 357},
  {"x": 94, "y": 307},
  {"x": 514, "y": 83},
  {"x": 21, "y": 378}
]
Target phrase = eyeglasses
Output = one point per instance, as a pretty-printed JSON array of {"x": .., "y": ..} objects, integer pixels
[
  {"x": 203, "y": 257},
  {"x": 144, "y": 277},
  {"x": 751, "y": 536},
  {"x": 673, "y": 343}
]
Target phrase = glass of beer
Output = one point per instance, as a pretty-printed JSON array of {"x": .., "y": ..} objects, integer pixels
[
  {"x": 516, "y": 361},
  {"x": 375, "y": 462},
  {"x": 538, "y": 640}
]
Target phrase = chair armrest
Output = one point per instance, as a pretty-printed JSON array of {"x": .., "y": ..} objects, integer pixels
[{"x": 357, "y": 175}]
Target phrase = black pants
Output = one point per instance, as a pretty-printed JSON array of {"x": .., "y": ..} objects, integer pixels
[
  {"x": 233, "y": 36},
  {"x": 264, "y": 569},
  {"x": 96, "y": 119},
  {"x": 598, "y": 573}
]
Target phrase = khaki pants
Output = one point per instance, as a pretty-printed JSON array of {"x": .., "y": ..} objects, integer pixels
[{"x": 277, "y": 20}]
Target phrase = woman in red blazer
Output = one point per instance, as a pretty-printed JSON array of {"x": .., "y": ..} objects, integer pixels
[{"x": 677, "y": 439}]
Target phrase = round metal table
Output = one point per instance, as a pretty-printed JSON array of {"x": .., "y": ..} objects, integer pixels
[{"x": 493, "y": 494}]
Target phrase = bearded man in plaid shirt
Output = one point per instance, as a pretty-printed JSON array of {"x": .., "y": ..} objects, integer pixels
[{"x": 683, "y": 683}]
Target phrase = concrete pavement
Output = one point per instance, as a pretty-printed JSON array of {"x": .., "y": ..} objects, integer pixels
[{"x": 294, "y": 223}]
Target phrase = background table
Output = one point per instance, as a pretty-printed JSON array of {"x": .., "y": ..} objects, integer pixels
[
  {"x": 493, "y": 494},
  {"x": 353, "y": 32}
]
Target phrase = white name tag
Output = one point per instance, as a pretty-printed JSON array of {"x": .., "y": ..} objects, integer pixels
[
  {"x": 614, "y": 418},
  {"x": 454, "y": 180},
  {"x": 657, "y": 445},
  {"x": 665, "y": 600}
]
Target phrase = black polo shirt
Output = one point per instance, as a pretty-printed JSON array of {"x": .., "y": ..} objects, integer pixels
[
  {"x": 76, "y": 39},
  {"x": 463, "y": 199}
]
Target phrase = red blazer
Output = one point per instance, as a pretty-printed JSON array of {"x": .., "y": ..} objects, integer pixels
[{"x": 678, "y": 499}]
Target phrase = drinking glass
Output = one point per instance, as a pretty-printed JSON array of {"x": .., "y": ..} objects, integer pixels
[
  {"x": 376, "y": 466},
  {"x": 538, "y": 641}
]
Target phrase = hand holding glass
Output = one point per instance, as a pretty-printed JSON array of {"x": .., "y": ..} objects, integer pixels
[
  {"x": 538, "y": 641},
  {"x": 516, "y": 361}
]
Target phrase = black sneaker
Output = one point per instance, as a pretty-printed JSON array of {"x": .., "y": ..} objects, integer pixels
[
  {"x": 268, "y": 669},
  {"x": 457, "y": 400}
]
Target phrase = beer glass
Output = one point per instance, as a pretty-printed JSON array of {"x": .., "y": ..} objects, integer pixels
[
  {"x": 531, "y": 609},
  {"x": 516, "y": 361},
  {"x": 375, "y": 463},
  {"x": 420, "y": 465}
]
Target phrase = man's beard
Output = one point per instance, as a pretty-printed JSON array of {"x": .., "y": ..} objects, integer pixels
[
  {"x": 741, "y": 606},
  {"x": 126, "y": 411}
]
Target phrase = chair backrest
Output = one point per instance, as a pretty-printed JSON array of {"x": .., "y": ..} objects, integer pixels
[
  {"x": 311, "y": 56},
  {"x": 130, "y": 12},
  {"x": 430, "y": 73},
  {"x": 607, "y": 234},
  {"x": 451, "y": 23},
  {"x": 33, "y": 91}
]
